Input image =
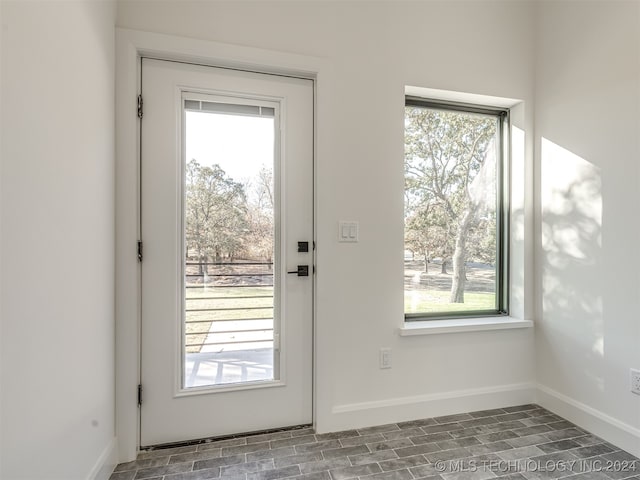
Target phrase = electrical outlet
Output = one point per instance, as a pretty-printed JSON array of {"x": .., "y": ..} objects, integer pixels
[
  {"x": 635, "y": 381},
  {"x": 385, "y": 358}
]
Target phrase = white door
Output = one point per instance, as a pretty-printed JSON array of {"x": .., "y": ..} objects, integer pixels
[{"x": 226, "y": 197}]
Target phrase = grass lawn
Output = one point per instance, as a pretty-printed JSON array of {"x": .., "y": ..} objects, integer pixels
[
  {"x": 221, "y": 309},
  {"x": 434, "y": 301},
  {"x": 228, "y": 307}
]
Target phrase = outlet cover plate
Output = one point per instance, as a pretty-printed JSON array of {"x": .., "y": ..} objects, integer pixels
[
  {"x": 635, "y": 381},
  {"x": 385, "y": 358}
]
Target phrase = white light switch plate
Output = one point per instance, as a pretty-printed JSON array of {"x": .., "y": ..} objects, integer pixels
[{"x": 348, "y": 231}]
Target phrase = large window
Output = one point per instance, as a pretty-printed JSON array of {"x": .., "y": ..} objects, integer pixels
[{"x": 456, "y": 210}]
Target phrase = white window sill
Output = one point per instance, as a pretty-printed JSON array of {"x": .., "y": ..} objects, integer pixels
[{"x": 460, "y": 325}]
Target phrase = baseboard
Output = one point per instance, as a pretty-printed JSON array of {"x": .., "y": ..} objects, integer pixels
[
  {"x": 366, "y": 414},
  {"x": 106, "y": 462},
  {"x": 599, "y": 423}
]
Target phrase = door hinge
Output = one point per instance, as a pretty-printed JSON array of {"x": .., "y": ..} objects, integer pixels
[
  {"x": 140, "y": 106},
  {"x": 139, "y": 251},
  {"x": 139, "y": 394}
]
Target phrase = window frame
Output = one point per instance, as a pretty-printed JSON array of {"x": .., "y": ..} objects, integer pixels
[{"x": 503, "y": 212}]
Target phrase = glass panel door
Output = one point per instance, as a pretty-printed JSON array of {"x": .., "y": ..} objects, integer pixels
[{"x": 226, "y": 196}]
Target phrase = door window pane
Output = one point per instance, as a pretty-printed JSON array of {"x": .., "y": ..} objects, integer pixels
[{"x": 229, "y": 243}]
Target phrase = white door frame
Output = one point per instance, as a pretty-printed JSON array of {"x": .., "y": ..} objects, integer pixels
[{"x": 130, "y": 46}]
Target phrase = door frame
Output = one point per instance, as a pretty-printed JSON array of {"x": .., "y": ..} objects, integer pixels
[{"x": 131, "y": 45}]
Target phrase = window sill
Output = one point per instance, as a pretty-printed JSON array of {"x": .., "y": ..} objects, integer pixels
[{"x": 460, "y": 325}]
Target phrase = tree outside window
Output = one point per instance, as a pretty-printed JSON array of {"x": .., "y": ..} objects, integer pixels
[{"x": 454, "y": 212}]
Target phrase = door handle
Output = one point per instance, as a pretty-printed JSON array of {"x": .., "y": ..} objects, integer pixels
[{"x": 302, "y": 271}]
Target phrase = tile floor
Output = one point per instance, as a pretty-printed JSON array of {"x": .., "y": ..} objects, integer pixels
[{"x": 515, "y": 443}]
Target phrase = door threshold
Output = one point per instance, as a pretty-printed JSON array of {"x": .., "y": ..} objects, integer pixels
[{"x": 201, "y": 441}]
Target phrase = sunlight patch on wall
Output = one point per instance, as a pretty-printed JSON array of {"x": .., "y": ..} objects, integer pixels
[
  {"x": 571, "y": 207},
  {"x": 571, "y": 197}
]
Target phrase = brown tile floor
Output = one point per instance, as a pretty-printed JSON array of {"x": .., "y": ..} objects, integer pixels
[{"x": 516, "y": 443}]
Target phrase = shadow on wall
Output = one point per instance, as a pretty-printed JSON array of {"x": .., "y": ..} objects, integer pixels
[{"x": 571, "y": 332}]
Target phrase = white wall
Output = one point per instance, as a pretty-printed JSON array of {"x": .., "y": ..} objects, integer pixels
[
  {"x": 57, "y": 239},
  {"x": 57, "y": 208},
  {"x": 587, "y": 124},
  {"x": 372, "y": 52}
]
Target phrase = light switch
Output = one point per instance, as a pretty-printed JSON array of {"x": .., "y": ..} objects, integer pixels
[{"x": 347, "y": 231}]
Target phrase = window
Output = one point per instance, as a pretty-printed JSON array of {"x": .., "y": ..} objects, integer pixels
[{"x": 456, "y": 210}]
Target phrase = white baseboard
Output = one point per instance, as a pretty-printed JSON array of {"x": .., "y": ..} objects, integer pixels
[
  {"x": 599, "y": 423},
  {"x": 366, "y": 414},
  {"x": 106, "y": 462}
]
